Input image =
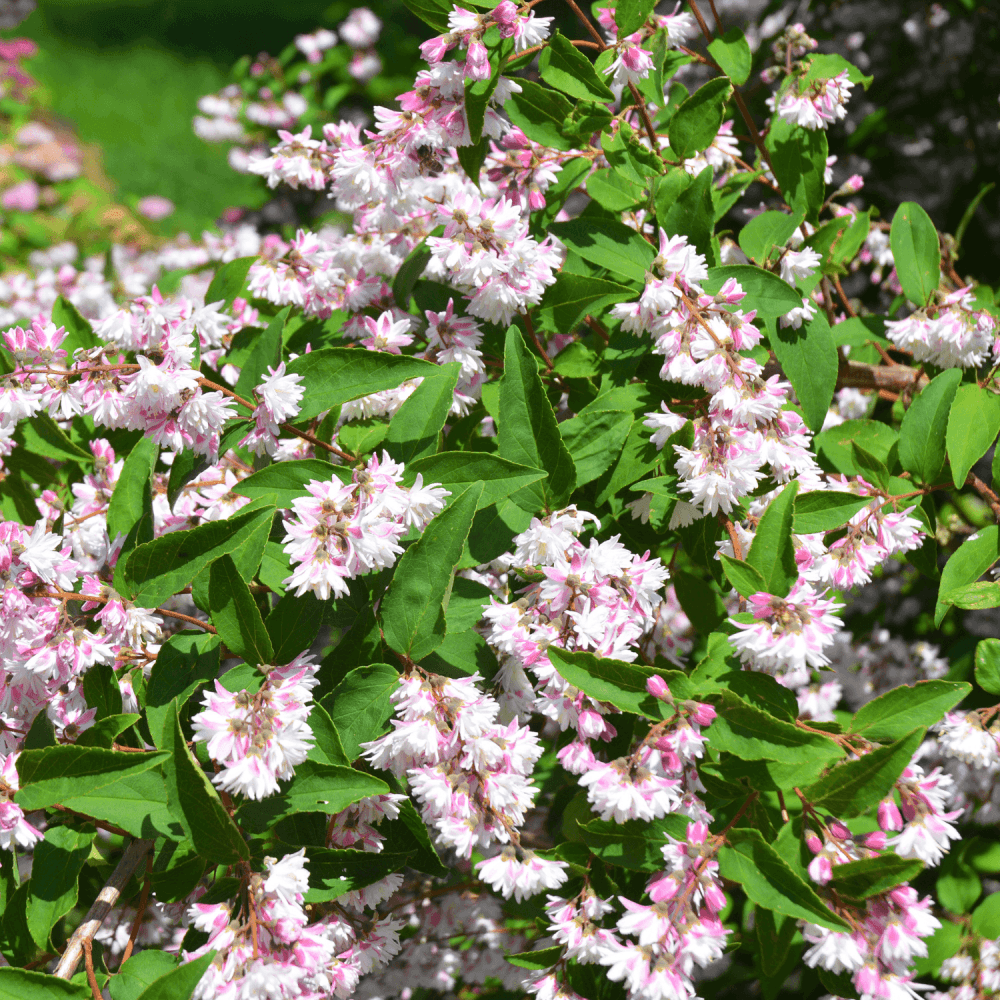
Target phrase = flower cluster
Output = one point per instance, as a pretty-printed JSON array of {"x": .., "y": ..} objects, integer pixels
[{"x": 955, "y": 334}]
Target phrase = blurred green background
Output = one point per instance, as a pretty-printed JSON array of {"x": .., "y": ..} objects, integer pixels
[{"x": 126, "y": 76}]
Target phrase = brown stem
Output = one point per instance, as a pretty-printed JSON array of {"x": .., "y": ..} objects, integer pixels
[
  {"x": 88, "y": 961},
  {"x": 544, "y": 45},
  {"x": 742, "y": 809},
  {"x": 538, "y": 343},
  {"x": 986, "y": 493},
  {"x": 141, "y": 912},
  {"x": 67, "y": 596},
  {"x": 894, "y": 378},
  {"x": 848, "y": 308},
  {"x": 598, "y": 329},
  {"x": 96, "y": 915},
  {"x": 640, "y": 103},
  {"x": 733, "y": 536},
  {"x": 585, "y": 21}
]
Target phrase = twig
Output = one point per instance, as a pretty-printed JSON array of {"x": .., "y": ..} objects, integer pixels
[
  {"x": 585, "y": 21},
  {"x": 849, "y": 309},
  {"x": 640, "y": 103},
  {"x": 106, "y": 899},
  {"x": 894, "y": 378},
  {"x": 72, "y": 596},
  {"x": 538, "y": 343},
  {"x": 88, "y": 961},
  {"x": 141, "y": 912},
  {"x": 986, "y": 493}
]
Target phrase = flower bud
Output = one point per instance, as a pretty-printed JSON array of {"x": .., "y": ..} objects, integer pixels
[{"x": 657, "y": 687}]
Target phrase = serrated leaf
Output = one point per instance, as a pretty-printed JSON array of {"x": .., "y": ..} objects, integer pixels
[
  {"x": 765, "y": 292},
  {"x": 52, "y": 892},
  {"x": 824, "y": 510},
  {"x": 973, "y": 425},
  {"x": 567, "y": 69},
  {"x": 413, "y": 610},
  {"x": 856, "y": 785},
  {"x": 745, "y": 578},
  {"x": 904, "y": 708},
  {"x": 634, "y": 844},
  {"x": 212, "y": 830},
  {"x": 360, "y": 706},
  {"x": 542, "y": 958},
  {"x": 916, "y": 252},
  {"x": 974, "y": 596},
  {"x": 988, "y": 665},
  {"x": 528, "y": 432},
  {"x": 732, "y": 52},
  {"x": 769, "y": 881},
  {"x": 235, "y": 615},
  {"x": 872, "y": 876},
  {"x": 29, "y": 984},
  {"x": 179, "y": 983},
  {"x": 613, "y": 681},
  {"x": 336, "y": 375},
  {"x": 416, "y": 426},
  {"x": 925, "y": 425},
  {"x": 127, "y": 503},
  {"x": 798, "y": 158},
  {"x": 574, "y": 296},
  {"x": 967, "y": 564},
  {"x": 608, "y": 243},
  {"x": 810, "y": 360},
  {"x": 159, "y": 569},
  {"x": 772, "y": 553},
  {"x": 594, "y": 440},
  {"x": 698, "y": 119},
  {"x": 540, "y": 114}
]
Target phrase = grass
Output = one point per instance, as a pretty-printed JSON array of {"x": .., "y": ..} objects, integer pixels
[{"x": 136, "y": 103}]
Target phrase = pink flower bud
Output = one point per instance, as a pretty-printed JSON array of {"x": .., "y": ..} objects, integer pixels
[
  {"x": 703, "y": 714},
  {"x": 839, "y": 830},
  {"x": 814, "y": 843},
  {"x": 888, "y": 815},
  {"x": 590, "y": 725},
  {"x": 657, "y": 687},
  {"x": 875, "y": 841}
]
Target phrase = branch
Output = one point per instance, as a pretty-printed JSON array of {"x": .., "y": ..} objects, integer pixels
[
  {"x": 986, "y": 493},
  {"x": 106, "y": 899},
  {"x": 892, "y": 378}
]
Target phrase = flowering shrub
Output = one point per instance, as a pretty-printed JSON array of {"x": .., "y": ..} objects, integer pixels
[{"x": 454, "y": 601}]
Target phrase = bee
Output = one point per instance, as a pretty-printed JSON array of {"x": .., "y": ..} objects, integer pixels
[{"x": 427, "y": 157}]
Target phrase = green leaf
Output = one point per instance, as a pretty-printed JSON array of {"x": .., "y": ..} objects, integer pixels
[
  {"x": 52, "y": 891},
  {"x": 214, "y": 834},
  {"x": 456, "y": 470},
  {"x": 432, "y": 12},
  {"x": 322, "y": 788},
  {"x": 691, "y": 214},
  {"x": 732, "y": 52},
  {"x": 541, "y": 958},
  {"x": 567, "y": 69},
  {"x": 810, "y": 360},
  {"x": 875, "y": 437},
  {"x": 772, "y": 553},
  {"x": 759, "y": 237},
  {"x": 613, "y": 681},
  {"x": 293, "y": 624},
  {"x": 235, "y": 614},
  {"x": 988, "y": 665},
  {"x": 769, "y": 881},
  {"x": 798, "y": 157},
  {"x": 750, "y": 733},
  {"x": 27, "y": 984},
  {"x": 157, "y": 570},
  {"x": 286, "y": 482},
  {"x": 265, "y": 353},
  {"x": 121, "y": 788},
  {"x": 230, "y": 281},
  {"x": 574, "y": 296},
  {"x": 916, "y": 252},
  {"x": 967, "y": 564},
  {"x": 973, "y": 424},
  {"x": 138, "y": 972},
  {"x": 854, "y": 786},
  {"x": 540, "y": 114},
  {"x": 179, "y": 983},
  {"x": 410, "y": 270},
  {"x": 906, "y": 707},
  {"x": 986, "y": 917},
  {"x": 872, "y": 876},
  {"x": 744, "y": 578},
  {"x": 925, "y": 424},
  {"x": 614, "y": 191},
  {"x": 974, "y": 596},
  {"x": 826, "y": 67},
  {"x": 360, "y": 707},
  {"x": 870, "y": 468},
  {"x": 105, "y": 731},
  {"x": 79, "y": 332},
  {"x": 697, "y": 121},
  {"x": 336, "y": 375},
  {"x": 528, "y": 432},
  {"x": 635, "y": 844},
  {"x": 957, "y": 886},
  {"x": 766, "y": 292},
  {"x": 415, "y": 428},
  {"x": 594, "y": 440},
  {"x": 328, "y": 748},
  {"x": 824, "y": 510},
  {"x": 334, "y": 872},
  {"x": 611, "y": 244},
  {"x": 631, "y": 15},
  {"x": 127, "y": 504},
  {"x": 44, "y": 437},
  {"x": 413, "y": 610},
  {"x": 186, "y": 661}
]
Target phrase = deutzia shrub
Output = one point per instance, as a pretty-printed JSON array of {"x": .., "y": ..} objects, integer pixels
[{"x": 489, "y": 590}]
